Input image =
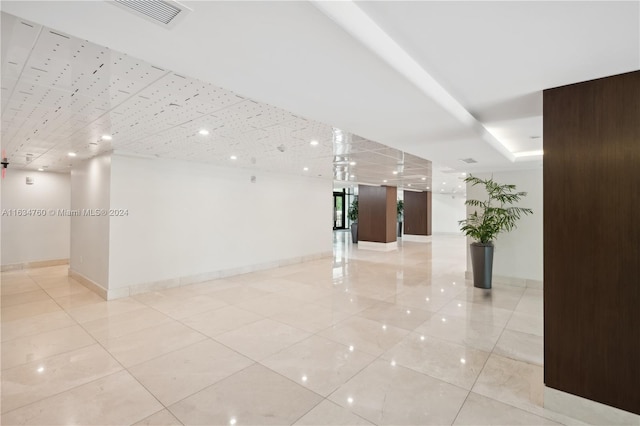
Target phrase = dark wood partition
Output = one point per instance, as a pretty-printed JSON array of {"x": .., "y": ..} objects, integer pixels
[
  {"x": 417, "y": 213},
  {"x": 592, "y": 240},
  {"x": 377, "y": 217}
]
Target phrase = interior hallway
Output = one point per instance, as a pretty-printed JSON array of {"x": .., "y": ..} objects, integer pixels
[{"x": 362, "y": 338}]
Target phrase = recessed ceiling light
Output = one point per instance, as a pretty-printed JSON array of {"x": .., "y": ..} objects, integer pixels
[
  {"x": 40, "y": 169},
  {"x": 204, "y": 132},
  {"x": 352, "y": 176},
  {"x": 427, "y": 187},
  {"x": 442, "y": 190},
  {"x": 233, "y": 157},
  {"x": 464, "y": 174},
  {"x": 459, "y": 186},
  {"x": 409, "y": 184},
  {"x": 395, "y": 172},
  {"x": 106, "y": 137},
  {"x": 314, "y": 143},
  {"x": 384, "y": 181},
  {"x": 424, "y": 178},
  {"x": 72, "y": 154},
  {"x": 444, "y": 183},
  {"x": 306, "y": 169},
  {"x": 353, "y": 163}
]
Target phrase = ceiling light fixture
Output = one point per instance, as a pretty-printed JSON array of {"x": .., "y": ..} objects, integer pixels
[
  {"x": 424, "y": 178},
  {"x": 72, "y": 154},
  {"x": 314, "y": 143},
  {"x": 306, "y": 169},
  {"x": 353, "y": 163},
  {"x": 395, "y": 172},
  {"x": 384, "y": 181},
  {"x": 427, "y": 187},
  {"x": 408, "y": 184},
  {"x": 106, "y": 137},
  {"x": 233, "y": 157},
  {"x": 204, "y": 132},
  {"x": 40, "y": 169}
]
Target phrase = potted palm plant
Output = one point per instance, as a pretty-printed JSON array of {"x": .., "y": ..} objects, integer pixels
[
  {"x": 400, "y": 211},
  {"x": 353, "y": 217},
  {"x": 492, "y": 216}
]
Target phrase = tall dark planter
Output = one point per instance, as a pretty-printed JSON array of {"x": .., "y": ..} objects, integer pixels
[
  {"x": 399, "y": 229},
  {"x": 354, "y": 232},
  {"x": 482, "y": 263}
]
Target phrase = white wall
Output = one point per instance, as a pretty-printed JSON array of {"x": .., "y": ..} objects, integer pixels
[
  {"x": 90, "y": 188},
  {"x": 186, "y": 219},
  {"x": 518, "y": 254},
  {"x": 446, "y": 212},
  {"x": 34, "y": 238}
]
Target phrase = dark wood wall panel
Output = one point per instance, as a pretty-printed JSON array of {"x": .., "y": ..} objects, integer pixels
[
  {"x": 377, "y": 213},
  {"x": 592, "y": 240},
  {"x": 417, "y": 213}
]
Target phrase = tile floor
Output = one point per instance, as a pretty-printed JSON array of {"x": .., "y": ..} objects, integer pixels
[{"x": 361, "y": 338}]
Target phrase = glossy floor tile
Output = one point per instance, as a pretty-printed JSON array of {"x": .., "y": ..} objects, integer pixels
[{"x": 360, "y": 338}]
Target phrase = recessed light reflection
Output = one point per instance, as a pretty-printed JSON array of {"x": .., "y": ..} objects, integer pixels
[
  {"x": 353, "y": 163},
  {"x": 393, "y": 363},
  {"x": 40, "y": 169},
  {"x": 314, "y": 143},
  {"x": 204, "y": 132},
  {"x": 422, "y": 338},
  {"x": 40, "y": 369},
  {"x": 395, "y": 172},
  {"x": 304, "y": 378},
  {"x": 232, "y": 421},
  {"x": 233, "y": 157},
  {"x": 72, "y": 154},
  {"x": 444, "y": 319},
  {"x": 350, "y": 400},
  {"x": 384, "y": 181},
  {"x": 426, "y": 298},
  {"x": 106, "y": 137},
  {"x": 306, "y": 169},
  {"x": 424, "y": 178},
  {"x": 351, "y": 348},
  {"x": 442, "y": 290},
  {"x": 384, "y": 327},
  {"x": 463, "y": 361},
  {"x": 459, "y": 305}
]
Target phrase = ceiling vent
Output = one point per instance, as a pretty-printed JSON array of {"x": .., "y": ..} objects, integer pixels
[
  {"x": 468, "y": 160},
  {"x": 166, "y": 13}
]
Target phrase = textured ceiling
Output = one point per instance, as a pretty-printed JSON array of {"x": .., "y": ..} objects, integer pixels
[{"x": 62, "y": 95}]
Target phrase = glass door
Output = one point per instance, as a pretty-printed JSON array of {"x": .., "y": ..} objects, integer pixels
[{"x": 339, "y": 210}]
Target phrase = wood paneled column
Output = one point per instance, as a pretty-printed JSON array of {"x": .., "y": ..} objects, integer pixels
[
  {"x": 417, "y": 216},
  {"x": 377, "y": 217},
  {"x": 592, "y": 240}
]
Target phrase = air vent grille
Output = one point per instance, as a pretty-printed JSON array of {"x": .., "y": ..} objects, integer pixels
[
  {"x": 160, "y": 11},
  {"x": 468, "y": 160}
]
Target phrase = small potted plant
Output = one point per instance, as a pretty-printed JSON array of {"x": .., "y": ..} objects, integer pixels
[
  {"x": 491, "y": 217},
  {"x": 353, "y": 217},
  {"x": 400, "y": 210}
]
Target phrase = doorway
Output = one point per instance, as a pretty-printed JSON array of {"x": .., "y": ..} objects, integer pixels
[{"x": 339, "y": 215}]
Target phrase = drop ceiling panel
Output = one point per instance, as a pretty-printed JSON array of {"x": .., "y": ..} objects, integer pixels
[{"x": 72, "y": 92}]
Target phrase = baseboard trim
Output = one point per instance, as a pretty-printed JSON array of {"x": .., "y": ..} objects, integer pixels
[
  {"x": 587, "y": 410},
  {"x": 133, "y": 289},
  {"x": 88, "y": 283},
  {"x": 36, "y": 264},
  {"x": 512, "y": 281},
  {"x": 371, "y": 245},
  {"x": 416, "y": 238}
]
